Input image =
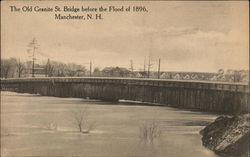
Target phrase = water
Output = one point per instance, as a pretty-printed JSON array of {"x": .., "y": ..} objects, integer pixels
[{"x": 33, "y": 125}]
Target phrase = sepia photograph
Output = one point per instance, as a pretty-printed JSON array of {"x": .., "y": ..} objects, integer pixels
[{"x": 124, "y": 78}]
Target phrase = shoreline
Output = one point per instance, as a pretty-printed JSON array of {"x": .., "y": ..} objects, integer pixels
[{"x": 228, "y": 136}]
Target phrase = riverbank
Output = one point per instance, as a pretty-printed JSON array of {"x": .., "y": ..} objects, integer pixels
[{"x": 228, "y": 136}]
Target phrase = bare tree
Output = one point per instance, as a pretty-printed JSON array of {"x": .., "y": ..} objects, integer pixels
[
  {"x": 8, "y": 67},
  {"x": 51, "y": 126},
  {"x": 61, "y": 68},
  {"x": 73, "y": 69},
  {"x": 149, "y": 131},
  {"x": 49, "y": 68},
  {"x": 5, "y": 68},
  {"x": 20, "y": 68},
  {"x": 80, "y": 120}
]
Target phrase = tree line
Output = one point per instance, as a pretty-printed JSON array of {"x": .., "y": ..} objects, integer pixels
[{"x": 14, "y": 68}]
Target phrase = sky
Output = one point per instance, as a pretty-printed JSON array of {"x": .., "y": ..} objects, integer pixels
[{"x": 187, "y": 36}]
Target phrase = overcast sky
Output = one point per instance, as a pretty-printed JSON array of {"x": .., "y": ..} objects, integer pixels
[{"x": 187, "y": 36}]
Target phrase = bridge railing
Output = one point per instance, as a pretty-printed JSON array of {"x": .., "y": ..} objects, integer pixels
[{"x": 224, "y": 86}]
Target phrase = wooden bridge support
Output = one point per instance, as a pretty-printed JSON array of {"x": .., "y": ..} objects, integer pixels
[{"x": 205, "y": 96}]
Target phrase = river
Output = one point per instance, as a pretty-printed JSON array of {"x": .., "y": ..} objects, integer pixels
[{"x": 34, "y": 125}]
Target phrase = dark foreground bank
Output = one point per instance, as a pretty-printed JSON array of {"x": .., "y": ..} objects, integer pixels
[{"x": 228, "y": 136}]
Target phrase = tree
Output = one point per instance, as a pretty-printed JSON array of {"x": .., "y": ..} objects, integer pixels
[
  {"x": 244, "y": 75},
  {"x": 49, "y": 69},
  {"x": 74, "y": 69},
  {"x": 80, "y": 119},
  {"x": 97, "y": 71},
  {"x": 5, "y": 68},
  {"x": 220, "y": 75},
  {"x": 236, "y": 76},
  {"x": 149, "y": 131},
  {"x": 143, "y": 73},
  {"x": 20, "y": 68},
  {"x": 61, "y": 68},
  {"x": 8, "y": 67}
]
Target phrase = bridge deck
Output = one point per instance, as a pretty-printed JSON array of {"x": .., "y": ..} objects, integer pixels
[
  {"x": 67, "y": 79},
  {"x": 228, "y": 86}
]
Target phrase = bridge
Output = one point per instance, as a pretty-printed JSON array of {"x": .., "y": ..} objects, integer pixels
[{"x": 231, "y": 98}]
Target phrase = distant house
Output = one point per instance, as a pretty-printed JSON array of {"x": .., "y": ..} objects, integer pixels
[
  {"x": 80, "y": 73},
  {"x": 39, "y": 71},
  {"x": 115, "y": 72}
]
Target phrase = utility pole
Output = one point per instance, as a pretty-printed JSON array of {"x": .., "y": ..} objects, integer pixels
[
  {"x": 90, "y": 68},
  {"x": 159, "y": 68},
  {"x": 148, "y": 67},
  {"x": 48, "y": 68},
  {"x": 33, "y": 47},
  {"x": 131, "y": 66},
  {"x": 144, "y": 69},
  {"x": 19, "y": 64},
  {"x": 33, "y": 62}
]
